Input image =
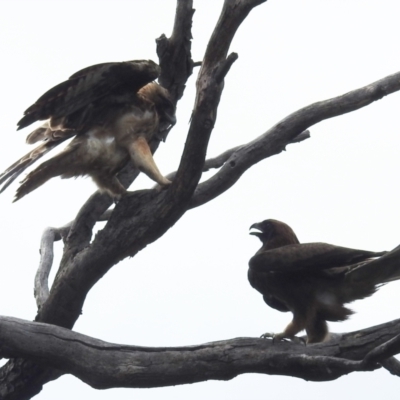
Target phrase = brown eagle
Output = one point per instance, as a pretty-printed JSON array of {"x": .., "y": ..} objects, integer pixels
[
  {"x": 312, "y": 280},
  {"x": 112, "y": 110}
]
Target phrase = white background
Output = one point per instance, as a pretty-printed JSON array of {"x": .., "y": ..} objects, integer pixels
[{"x": 340, "y": 186}]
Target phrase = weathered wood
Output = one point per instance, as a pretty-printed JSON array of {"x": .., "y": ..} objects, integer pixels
[
  {"x": 41, "y": 290},
  {"x": 107, "y": 365}
]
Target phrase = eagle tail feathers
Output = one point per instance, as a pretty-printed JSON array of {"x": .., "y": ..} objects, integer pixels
[
  {"x": 13, "y": 173},
  {"x": 49, "y": 169},
  {"x": 334, "y": 312},
  {"x": 378, "y": 271},
  {"x": 366, "y": 278},
  {"x": 14, "y": 170}
]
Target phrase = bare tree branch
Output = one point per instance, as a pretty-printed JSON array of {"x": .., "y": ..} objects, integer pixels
[
  {"x": 175, "y": 53},
  {"x": 225, "y": 67},
  {"x": 49, "y": 236},
  {"x": 392, "y": 365},
  {"x": 219, "y": 161},
  {"x": 384, "y": 351},
  {"x": 106, "y": 365},
  {"x": 41, "y": 287},
  {"x": 284, "y": 132}
]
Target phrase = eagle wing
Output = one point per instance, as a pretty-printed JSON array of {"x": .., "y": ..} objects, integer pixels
[
  {"x": 308, "y": 257},
  {"x": 88, "y": 98},
  {"x": 330, "y": 271},
  {"x": 74, "y": 100}
]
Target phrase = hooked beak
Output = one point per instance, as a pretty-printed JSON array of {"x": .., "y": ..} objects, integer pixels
[
  {"x": 170, "y": 118},
  {"x": 256, "y": 226},
  {"x": 166, "y": 126}
]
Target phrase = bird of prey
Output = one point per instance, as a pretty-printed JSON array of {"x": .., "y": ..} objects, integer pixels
[
  {"x": 313, "y": 280},
  {"x": 112, "y": 111}
]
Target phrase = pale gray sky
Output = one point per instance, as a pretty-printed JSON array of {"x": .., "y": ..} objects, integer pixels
[{"x": 191, "y": 286}]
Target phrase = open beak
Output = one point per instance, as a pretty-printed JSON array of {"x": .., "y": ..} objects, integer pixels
[{"x": 256, "y": 226}]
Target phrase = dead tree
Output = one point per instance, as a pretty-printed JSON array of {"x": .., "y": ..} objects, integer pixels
[{"x": 37, "y": 350}]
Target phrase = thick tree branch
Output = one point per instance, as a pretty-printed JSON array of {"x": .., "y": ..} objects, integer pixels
[
  {"x": 175, "y": 53},
  {"x": 284, "y": 132},
  {"x": 107, "y": 365}
]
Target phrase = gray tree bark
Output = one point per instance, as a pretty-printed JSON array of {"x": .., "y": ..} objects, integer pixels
[{"x": 105, "y": 365}]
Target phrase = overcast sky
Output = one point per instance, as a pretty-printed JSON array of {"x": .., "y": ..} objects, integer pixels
[{"x": 340, "y": 186}]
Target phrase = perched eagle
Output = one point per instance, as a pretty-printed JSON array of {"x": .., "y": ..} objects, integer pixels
[
  {"x": 112, "y": 110},
  {"x": 312, "y": 280}
]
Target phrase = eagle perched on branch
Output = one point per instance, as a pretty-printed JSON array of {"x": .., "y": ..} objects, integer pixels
[
  {"x": 112, "y": 110},
  {"x": 313, "y": 280}
]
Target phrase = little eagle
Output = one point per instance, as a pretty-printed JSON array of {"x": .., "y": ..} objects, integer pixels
[
  {"x": 312, "y": 280},
  {"x": 112, "y": 111}
]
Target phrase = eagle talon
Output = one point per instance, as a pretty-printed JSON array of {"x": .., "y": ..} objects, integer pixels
[
  {"x": 275, "y": 336},
  {"x": 165, "y": 185},
  {"x": 268, "y": 335},
  {"x": 281, "y": 338}
]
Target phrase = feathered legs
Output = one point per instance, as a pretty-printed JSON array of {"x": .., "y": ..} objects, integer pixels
[
  {"x": 316, "y": 329},
  {"x": 143, "y": 159}
]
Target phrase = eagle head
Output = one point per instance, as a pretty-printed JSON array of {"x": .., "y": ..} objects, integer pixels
[{"x": 273, "y": 231}]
